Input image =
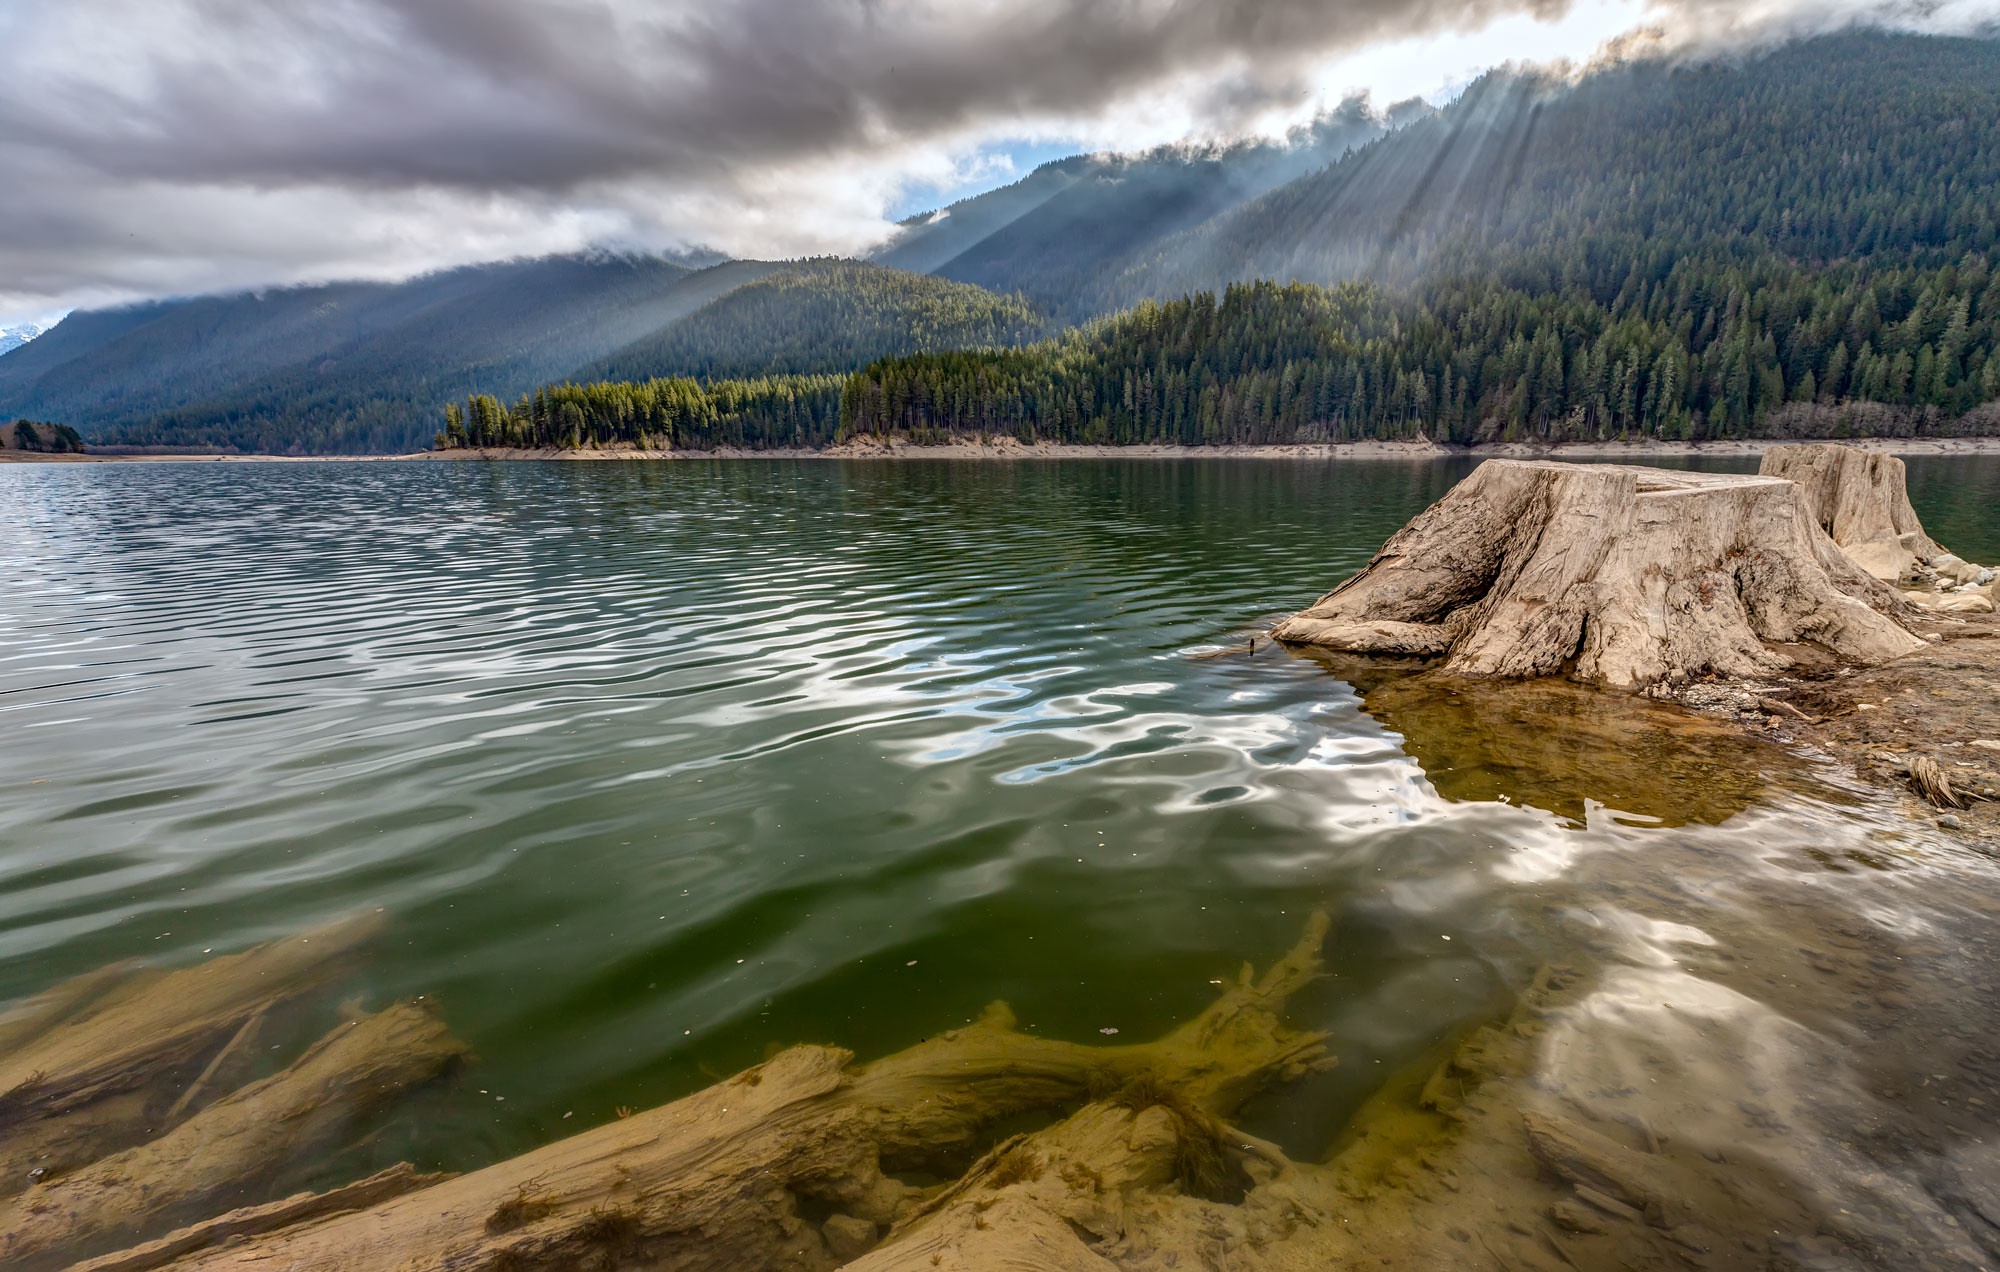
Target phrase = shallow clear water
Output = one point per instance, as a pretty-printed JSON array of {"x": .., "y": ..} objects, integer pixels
[{"x": 652, "y": 766}]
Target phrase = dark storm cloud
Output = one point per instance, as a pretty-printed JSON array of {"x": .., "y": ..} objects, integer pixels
[
  {"x": 152, "y": 146},
  {"x": 548, "y": 94}
]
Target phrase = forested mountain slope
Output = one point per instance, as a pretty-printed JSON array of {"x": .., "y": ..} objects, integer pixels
[
  {"x": 1075, "y": 220},
  {"x": 822, "y": 316},
  {"x": 344, "y": 367},
  {"x": 1778, "y": 352},
  {"x": 1844, "y": 148}
]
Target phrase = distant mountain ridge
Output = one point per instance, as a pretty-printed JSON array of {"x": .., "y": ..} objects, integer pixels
[{"x": 819, "y": 317}]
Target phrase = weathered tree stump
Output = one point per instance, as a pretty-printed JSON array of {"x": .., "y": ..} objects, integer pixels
[
  {"x": 1860, "y": 499},
  {"x": 1619, "y": 575}
]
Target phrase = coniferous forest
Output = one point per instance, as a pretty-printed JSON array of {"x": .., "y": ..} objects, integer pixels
[{"x": 1693, "y": 354}]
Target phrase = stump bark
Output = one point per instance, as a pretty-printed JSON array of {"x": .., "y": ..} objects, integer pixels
[
  {"x": 1860, "y": 499},
  {"x": 1618, "y": 575}
]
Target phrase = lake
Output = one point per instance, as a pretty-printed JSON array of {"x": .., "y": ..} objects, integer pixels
[{"x": 652, "y": 767}]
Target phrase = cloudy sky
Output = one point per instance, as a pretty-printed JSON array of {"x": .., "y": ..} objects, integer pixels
[{"x": 158, "y": 147}]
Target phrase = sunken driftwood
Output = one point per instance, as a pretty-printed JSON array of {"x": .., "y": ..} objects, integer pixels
[
  {"x": 127, "y": 1104},
  {"x": 1619, "y": 575},
  {"x": 234, "y": 1145},
  {"x": 790, "y": 1164},
  {"x": 105, "y": 1060},
  {"x": 269, "y": 1217}
]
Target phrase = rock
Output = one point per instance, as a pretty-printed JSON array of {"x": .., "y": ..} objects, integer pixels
[
  {"x": 1614, "y": 574},
  {"x": 1884, "y": 559},
  {"x": 1955, "y": 568},
  {"x": 1717, "y": 698},
  {"x": 1956, "y": 602},
  {"x": 848, "y": 1237}
]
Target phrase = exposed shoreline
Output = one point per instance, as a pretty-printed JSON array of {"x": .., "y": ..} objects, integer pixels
[{"x": 1005, "y": 448}]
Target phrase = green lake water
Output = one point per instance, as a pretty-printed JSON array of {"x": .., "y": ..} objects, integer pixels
[{"x": 650, "y": 767}]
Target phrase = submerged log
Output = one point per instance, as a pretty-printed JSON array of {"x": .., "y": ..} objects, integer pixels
[
  {"x": 235, "y": 1149},
  {"x": 269, "y": 1217},
  {"x": 784, "y": 1165},
  {"x": 98, "y": 1063},
  {"x": 1618, "y": 575}
]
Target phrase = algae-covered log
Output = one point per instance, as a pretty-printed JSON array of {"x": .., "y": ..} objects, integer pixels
[
  {"x": 783, "y": 1165},
  {"x": 1620, "y": 575},
  {"x": 233, "y": 1150}
]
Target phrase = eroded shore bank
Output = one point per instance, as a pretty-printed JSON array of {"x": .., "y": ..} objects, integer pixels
[{"x": 1940, "y": 704}]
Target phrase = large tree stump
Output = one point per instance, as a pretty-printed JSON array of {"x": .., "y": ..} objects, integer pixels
[{"x": 1620, "y": 575}]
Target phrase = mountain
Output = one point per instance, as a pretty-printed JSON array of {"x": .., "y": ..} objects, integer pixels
[
  {"x": 12, "y": 338},
  {"x": 347, "y": 366},
  {"x": 821, "y": 316},
  {"x": 1849, "y": 147},
  {"x": 1050, "y": 235},
  {"x": 1799, "y": 244},
  {"x": 368, "y": 367}
]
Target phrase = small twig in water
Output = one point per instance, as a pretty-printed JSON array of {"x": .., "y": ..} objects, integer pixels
[{"x": 1772, "y": 706}]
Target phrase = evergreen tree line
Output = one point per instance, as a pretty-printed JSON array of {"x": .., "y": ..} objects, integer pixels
[
  {"x": 1686, "y": 348},
  {"x": 675, "y": 413}
]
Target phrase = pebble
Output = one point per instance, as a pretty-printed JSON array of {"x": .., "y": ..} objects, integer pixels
[{"x": 1950, "y": 822}]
